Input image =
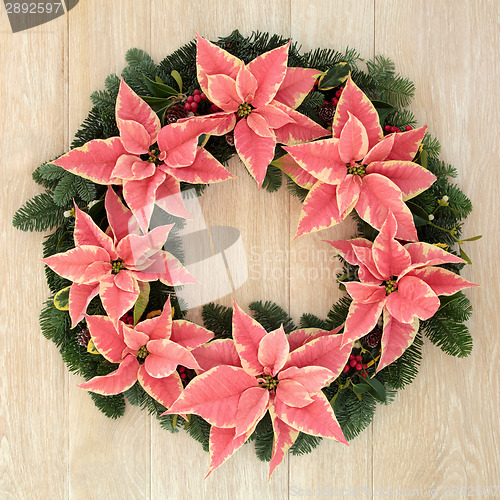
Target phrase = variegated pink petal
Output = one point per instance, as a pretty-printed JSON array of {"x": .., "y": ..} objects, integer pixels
[
  {"x": 379, "y": 195},
  {"x": 426, "y": 254},
  {"x": 159, "y": 327},
  {"x": 316, "y": 418},
  {"x": 361, "y": 319},
  {"x": 141, "y": 195},
  {"x": 165, "y": 355},
  {"x": 406, "y": 144},
  {"x": 365, "y": 293},
  {"x": 79, "y": 299},
  {"x": 131, "y": 167},
  {"x": 204, "y": 170},
  {"x": 167, "y": 269},
  {"x": 259, "y": 125},
  {"x": 246, "y": 85},
  {"x": 354, "y": 101},
  {"x": 95, "y": 272},
  {"x": 126, "y": 281},
  {"x": 284, "y": 437},
  {"x": 223, "y": 93},
  {"x": 303, "y": 130},
  {"x": 130, "y": 107},
  {"x": 345, "y": 248},
  {"x": 165, "y": 390},
  {"x": 169, "y": 198},
  {"x": 320, "y": 159},
  {"x": 320, "y": 209},
  {"x": 120, "y": 218},
  {"x": 223, "y": 444},
  {"x": 298, "y": 338},
  {"x": 380, "y": 151},
  {"x": 215, "y": 353},
  {"x": 298, "y": 82},
  {"x": 251, "y": 408},
  {"x": 73, "y": 263},
  {"x": 115, "y": 300},
  {"x": 396, "y": 338},
  {"x": 312, "y": 378},
  {"x": 189, "y": 335},
  {"x": 348, "y": 193},
  {"x": 275, "y": 117},
  {"x": 214, "y": 395},
  {"x": 292, "y": 393},
  {"x": 390, "y": 257},
  {"x": 411, "y": 179},
  {"x": 368, "y": 271},
  {"x": 413, "y": 298},
  {"x": 215, "y": 124},
  {"x": 273, "y": 351},
  {"x": 212, "y": 60},
  {"x": 116, "y": 382},
  {"x": 134, "y": 339},
  {"x": 442, "y": 281},
  {"x": 247, "y": 334},
  {"x": 269, "y": 69},
  {"x": 327, "y": 351},
  {"x": 135, "y": 137},
  {"x": 353, "y": 143},
  {"x": 255, "y": 152},
  {"x": 298, "y": 175},
  {"x": 107, "y": 339},
  {"x": 95, "y": 160}
]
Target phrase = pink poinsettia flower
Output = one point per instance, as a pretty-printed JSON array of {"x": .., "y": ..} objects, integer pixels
[
  {"x": 259, "y": 98},
  {"x": 400, "y": 282},
  {"x": 260, "y": 371},
  {"x": 150, "y": 162},
  {"x": 359, "y": 168},
  {"x": 112, "y": 265},
  {"x": 149, "y": 353}
]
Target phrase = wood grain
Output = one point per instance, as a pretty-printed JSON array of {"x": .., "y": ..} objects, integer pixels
[{"x": 441, "y": 432}]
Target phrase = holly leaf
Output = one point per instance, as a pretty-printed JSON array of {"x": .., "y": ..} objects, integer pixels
[
  {"x": 334, "y": 77},
  {"x": 158, "y": 88},
  {"x": 61, "y": 299},
  {"x": 377, "y": 389},
  {"x": 384, "y": 109}
]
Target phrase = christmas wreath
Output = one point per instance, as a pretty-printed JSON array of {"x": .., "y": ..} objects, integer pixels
[{"x": 346, "y": 143}]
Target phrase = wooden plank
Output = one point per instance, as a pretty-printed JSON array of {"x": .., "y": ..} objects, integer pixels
[
  {"x": 313, "y": 267},
  {"x": 262, "y": 219},
  {"x": 33, "y": 386},
  {"x": 108, "y": 459},
  {"x": 443, "y": 431}
]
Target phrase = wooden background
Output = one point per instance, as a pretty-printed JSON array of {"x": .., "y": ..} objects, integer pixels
[{"x": 442, "y": 432}]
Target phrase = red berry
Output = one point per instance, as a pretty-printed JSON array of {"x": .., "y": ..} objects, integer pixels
[
  {"x": 387, "y": 128},
  {"x": 346, "y": 368},
  {"x": 181, "y": 369},
  {"x": 183, "y": 376},
  {"x": 187, "y": 106},
  {"x": 398, "y": 130},
  {"x": 365, "y": 366},
  {"x": 338, "y": 93},
  {"x": 408, "y": 127},
  {"x": 335, "y": 101},
  {"x": 341, "y": 89},
  {"x": 363, "y": 375},
  {"x": 197, "y": 98},
  {"x": 351, "y": 356},
  {"x": 358, "y": 357},
  {"x": 196, "y": 92},
  {"x": 394, "y": 129},
  {"x": 194, "y": 106},
  {"x": 203, "y": 96},
  {"x": 359, "y": 366},
  {"x": 353, "y": 362},
  {"x": 214, "y": 108},
  {"x": 190, "y": 98}
]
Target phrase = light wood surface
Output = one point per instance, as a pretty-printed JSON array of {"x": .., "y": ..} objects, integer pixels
[{"x": 442, "y": 432}]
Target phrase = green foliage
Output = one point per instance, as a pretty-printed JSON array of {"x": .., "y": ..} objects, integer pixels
[
  {"x": 296, "y": 190},
  {"x": 273, "y": 179},
  {"x": 271, "y": 316},
  {"x": 218, "y": 319},
  {"x": 263, "y": 437},
  {"x": 199, "y": 430},
  {"x": 47, "y": 175},
  {"x": 305, "y": 443},
  {"x": 111, "y": 406},
  {"x": 38, "y": 214}
]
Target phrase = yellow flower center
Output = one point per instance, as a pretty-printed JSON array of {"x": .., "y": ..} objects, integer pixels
[
  {"x": 356, "y": 169},
  {"x": 142, "y": 352},
  {"x": 244, "y": 110},
  {"x": 390, "y": 286},
  {"x": 117, "y": 266},
  {"x": 269, "y": 382}
]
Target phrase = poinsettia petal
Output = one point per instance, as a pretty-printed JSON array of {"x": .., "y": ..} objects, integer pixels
[
  {"x": 130, "y": 107},
  {"x": 411, "y": 179},
  {"x": 442, "y": 281},
  {"x": 217, "y": 352},
  {"x": 316, "y": 418},
  {"x": 320, "y": 210},
  {"x": 222, "y": 91},
  {"x": 116, "y": 382},
  {"x": 159, "y": 327},
  {"x": 312, "y": 378},
  {"x": 354, "y": 101},
  {"x": 406, "y": 144},
  {"x": 269, "y": 69},
  {"x": 88, "y": 233},
  {"x": 396, "y": 338},
  {"x": 189, "y": 335},
  {"x": 390, "y": 257},
  {"x": 169, "y": 198},
  {"x": 165, "y": 390},
  {"x": 353, "y": 143},
  {"x": 348, "y": 193},
  {"x": 284, "y": 437},
  {"x": 259, "y": 125},
  {"x": 73, "y": 263},
  {"x": 164, "y": 356},
  {"x": 212, "y": 60},
  {"x": 214, "y": 124},
  {"x": 368, "y": 271},
  {"x": 107, "y": 339},
  {"x": 251, "y": 408},
  {"x": 223, "y": 444},
  {"x": 141, "y": 196},
  {"x": 320, "y": 159},
  {"x": 273, "y": 351},
  {"x": 426, "y": 254},
  {"x": 120, "y": 218},
  {"x": 79, "y": 299},
  {"x": 247, "y": 335},
  {"x": 298, "y": 175},
  {"x": 302, "y": 130},
  {"x": 256, "y": 152},
  {"x": 95, "y": 160},
  {"x": 379, "y": 195},
  {"x": 115, "y": 300},
  {"x": 167, "y": 269},
  {"x": 298, "y": 82},
  {"x": 275, "y": 117},
  {"x": 246, "y": 85},
  {"x": 205, "y": 169},
  {"x": 413, "y": 298},
  {"x": 130, "y": 167},
  {"x": 292, "y": 393},
  {"x": 345, "y": 248},
  {"x": 361, "y": 319},
  {"x": 365, "y": 293},
  {"x": 126, "y": 281},
  {"x": 327, "y": 351},
  {"x": 134, "y": 339},
  {"x": 214, "y": 395},
  {"x": 380, "y": 151},
  {"x": 135, "y": 137},
  {"x": 298, "y": 338}
]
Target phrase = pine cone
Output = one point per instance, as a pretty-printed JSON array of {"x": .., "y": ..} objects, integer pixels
[
  {"x": 372, "y": 339},
  {"x": 83, "y": 337},
  {"x": 175, "y": 113},
  {"x": 326, "y": 112}
]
